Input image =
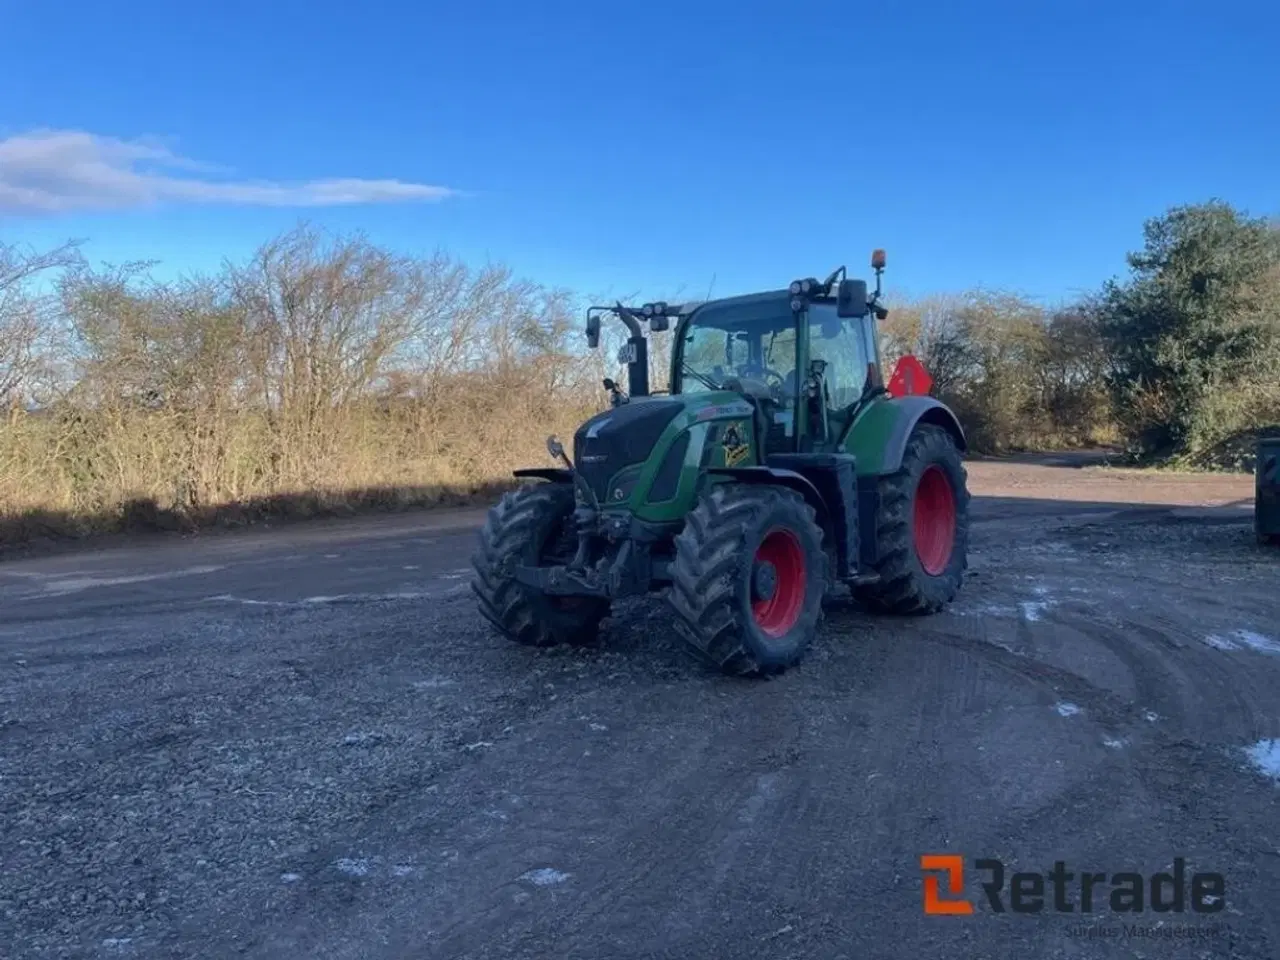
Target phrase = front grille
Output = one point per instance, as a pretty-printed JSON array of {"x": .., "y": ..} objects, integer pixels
[{"x": 619, "y": 438}]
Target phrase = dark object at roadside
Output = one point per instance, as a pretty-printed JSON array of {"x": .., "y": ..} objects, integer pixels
[{"x": 1266, "y": 501}]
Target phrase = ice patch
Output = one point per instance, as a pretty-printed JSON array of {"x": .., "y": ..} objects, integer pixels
[
  {"x": 987, "y": 610},
  {"x": 290, "y": 877},
  {"x": 1265, "y": 755},
  {"x": 1243, "y": 640},
  {"x": 1150, "y": 716},
  {"x": 545, "y": 877},
  {"x": 352, "y": 598},
  {"x": 402, "y": 870},
  {"x": 598, "y": 726},
  {"x": 65, "y": 585},
  {"x": 353, "y": 868},
  {"x": 1032, "y": 610},
  {"x": 117, "y": 942},
  {"x": 434, "y": 683},
  {"x": 1112, "y": 743},
  {"x": 1066, "y": 709}
]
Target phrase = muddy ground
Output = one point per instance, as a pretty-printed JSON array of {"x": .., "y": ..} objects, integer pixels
[{"x": 303, "y": 743}]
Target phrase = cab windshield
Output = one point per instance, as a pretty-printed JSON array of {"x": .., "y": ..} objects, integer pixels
[
  {"x": 755, "y": 345},
  {"x": 759, "y": 343},
  {"x": 720, "y": 349}
]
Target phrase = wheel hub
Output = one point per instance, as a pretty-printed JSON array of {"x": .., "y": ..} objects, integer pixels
[
  {"x": 764, "y": 581},
  {"x": 778, "y": 582}
]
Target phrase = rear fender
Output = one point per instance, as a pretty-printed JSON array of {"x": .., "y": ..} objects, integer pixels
[{"x": 880, "y": 436}]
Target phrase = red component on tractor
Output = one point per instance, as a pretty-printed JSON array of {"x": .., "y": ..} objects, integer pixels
[{"x": 910, "y": 378}]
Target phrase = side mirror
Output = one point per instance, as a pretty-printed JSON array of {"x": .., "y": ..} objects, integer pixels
[
  {"x": 851, "y": 299},
  {"x": 593, "y": 331}
]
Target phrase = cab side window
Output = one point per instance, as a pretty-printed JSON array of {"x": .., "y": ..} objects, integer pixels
[{"x": 842, "y": 343}]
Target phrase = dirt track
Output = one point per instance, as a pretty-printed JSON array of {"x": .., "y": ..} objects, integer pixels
[{"x": 303, "y": 743}]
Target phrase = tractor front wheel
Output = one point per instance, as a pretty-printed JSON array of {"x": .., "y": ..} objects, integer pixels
[
  {"x": 532, "y": 526},
  {"x": 922, "y": 529},
  {"x": 748, "y": 578}
]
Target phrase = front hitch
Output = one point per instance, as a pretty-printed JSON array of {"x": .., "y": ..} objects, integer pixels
[
  {"x": 627, "y": 573},
  {"x": 563, "y": 581}
]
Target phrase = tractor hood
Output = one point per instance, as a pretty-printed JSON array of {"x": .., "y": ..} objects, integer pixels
[
  {"x": 621, "y": 437},
  {"x": 626, "y": 436}
]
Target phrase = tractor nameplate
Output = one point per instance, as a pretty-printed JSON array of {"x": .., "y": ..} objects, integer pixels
[{"x": 725, "y": 410}]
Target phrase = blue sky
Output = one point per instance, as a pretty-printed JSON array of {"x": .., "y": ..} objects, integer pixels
[{"x": 649, "y": 148}]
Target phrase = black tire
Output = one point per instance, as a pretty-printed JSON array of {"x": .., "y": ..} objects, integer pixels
[
  {"x": 533, "y": 526},
  {"x": 915, "y": 582},
  {"x": 712, "y": 578}
]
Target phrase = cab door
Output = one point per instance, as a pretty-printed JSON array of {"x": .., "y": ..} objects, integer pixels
[{"x": 847, "y": 347}]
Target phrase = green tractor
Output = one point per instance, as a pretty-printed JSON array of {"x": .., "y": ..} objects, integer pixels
[{"x": 778, "y": 466}]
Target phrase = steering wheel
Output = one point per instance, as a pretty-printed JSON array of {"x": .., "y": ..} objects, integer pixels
[{"x": 769, "y": 375}]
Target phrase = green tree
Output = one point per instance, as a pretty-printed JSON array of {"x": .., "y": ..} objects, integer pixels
[{"x": 1196, "y": 319}]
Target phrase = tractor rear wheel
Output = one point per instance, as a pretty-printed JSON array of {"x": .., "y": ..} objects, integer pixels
[
  {"x": 532, "y": 526},
  {"x": 922, "y": 528},
  {"x": 748, "y": 578}
]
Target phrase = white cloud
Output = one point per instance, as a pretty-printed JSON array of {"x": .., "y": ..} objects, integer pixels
[{"x": 60, "y": 171}]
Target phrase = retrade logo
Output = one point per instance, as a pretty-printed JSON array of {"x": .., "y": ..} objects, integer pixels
[{"x": 1066, "y": 891}]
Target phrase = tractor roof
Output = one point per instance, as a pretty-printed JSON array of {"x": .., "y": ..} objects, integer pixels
[{"x": 745, "y": 307}]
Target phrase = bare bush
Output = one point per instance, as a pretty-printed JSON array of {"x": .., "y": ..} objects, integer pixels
[{"x": 1019, "y": 375}]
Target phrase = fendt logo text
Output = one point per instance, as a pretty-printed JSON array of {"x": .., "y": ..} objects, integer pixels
[{"x": 1065, "y": 891}]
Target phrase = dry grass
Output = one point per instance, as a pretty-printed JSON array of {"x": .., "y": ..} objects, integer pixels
[{"x": 79, "y": 473}]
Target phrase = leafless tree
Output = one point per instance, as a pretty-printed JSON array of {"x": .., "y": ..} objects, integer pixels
[{"x": 29, "y": 317}]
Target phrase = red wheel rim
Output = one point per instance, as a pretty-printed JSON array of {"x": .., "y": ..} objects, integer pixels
[
  {"x": 935, "y": 520},
  {"x": 779, "y": 613}
]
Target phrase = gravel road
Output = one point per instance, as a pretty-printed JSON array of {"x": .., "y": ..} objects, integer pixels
[{"x": 304, "y": 743}]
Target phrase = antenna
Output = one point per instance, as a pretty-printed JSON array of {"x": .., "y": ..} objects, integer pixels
[{"x": 711, "y": 286}]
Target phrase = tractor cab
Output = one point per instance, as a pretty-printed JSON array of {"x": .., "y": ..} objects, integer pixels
[{"x": 807, "y": 357}]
